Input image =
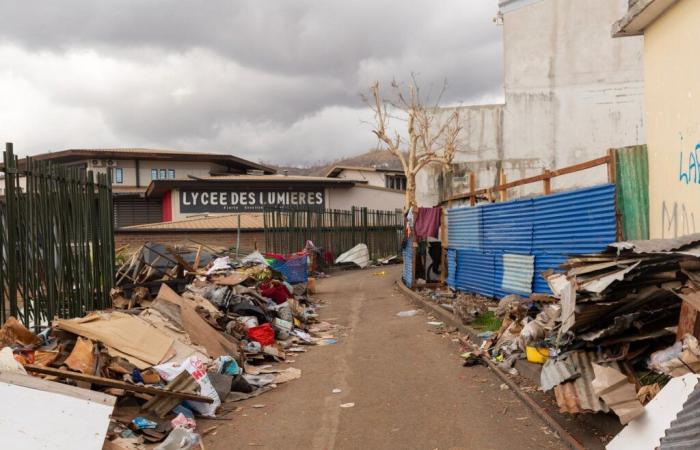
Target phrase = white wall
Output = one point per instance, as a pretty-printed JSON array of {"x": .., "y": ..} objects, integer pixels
[
  {"x": 363, "y": 196},
  {"x": 372, "y": 178}
]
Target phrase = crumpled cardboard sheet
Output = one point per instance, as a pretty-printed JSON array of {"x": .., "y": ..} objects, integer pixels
[{"x": 126, "y": 334}]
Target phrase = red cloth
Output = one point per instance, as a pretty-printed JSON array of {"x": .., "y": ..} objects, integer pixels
[
  {"x": 264, "y": 334},
  {"x": 428, "y": 222},
  {"x": 276, "y": 291}
]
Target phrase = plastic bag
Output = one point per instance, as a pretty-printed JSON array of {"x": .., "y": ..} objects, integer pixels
[
  {"x": 8, "y": 363},
  {"x": 195, "y": 367},
  {"x": 264, "y": 334}
]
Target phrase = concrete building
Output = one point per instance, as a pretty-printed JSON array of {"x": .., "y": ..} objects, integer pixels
[
  {"x": 388, "y": 178},
  {"x": 183, "y": 199},
  {"x": 133, "y": 169},
  {"x": 571, "y": 93},
  {"x": 671, "y": 44}
]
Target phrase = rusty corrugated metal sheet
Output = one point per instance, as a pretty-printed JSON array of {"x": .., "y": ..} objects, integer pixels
[{"x": 577, "y": 396}]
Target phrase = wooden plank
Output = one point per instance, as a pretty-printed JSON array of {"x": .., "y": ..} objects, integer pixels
[
  {"x": 547, "y": 182},
  {"x": 197, "y": 257},
  {"x": 612, "y": 167},
  {"x": 115, "y": 383},
  {"x": 688, "y": 322},
  {"x": 58, "y": 388},
  {"x": 503, "y": 193},
  {"x": 550, "y": 174},
  {"x": 472, "y": 188}
]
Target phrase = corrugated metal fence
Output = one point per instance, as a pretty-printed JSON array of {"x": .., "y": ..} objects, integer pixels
[{"x": 501, "y": 248}]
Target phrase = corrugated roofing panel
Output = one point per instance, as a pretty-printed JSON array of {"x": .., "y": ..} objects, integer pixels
[
  {"x": 684, "y": 432},
  {"x": 475, "y": 272},
  {"x": 507, "y": 226},
  {"x": 578, "y": 221},
  {"x": 464, "y": 228},
  {"x": 451, "y": 267},
  {"x": 517, "y": 273}
]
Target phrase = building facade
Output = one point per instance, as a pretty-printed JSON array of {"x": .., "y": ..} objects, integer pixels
[
  {"x": 672, "y": 83},
  {"x": 571, "y": 93},
  {"x": 393, "y": 179},
  {"x": 133, "y": 169}
]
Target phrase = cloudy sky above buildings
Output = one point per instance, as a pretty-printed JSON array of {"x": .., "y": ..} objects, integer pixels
[{"x": 274, "y": 81}]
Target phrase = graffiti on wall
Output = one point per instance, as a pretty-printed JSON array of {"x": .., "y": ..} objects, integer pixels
[
  {"x": 689, "y": 169},
  {"x": 676, "y": 220}
]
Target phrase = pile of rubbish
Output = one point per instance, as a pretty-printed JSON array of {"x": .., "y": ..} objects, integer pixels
[
  {"x": 619, "y": 326},
  {"x": 164, "y": 360}
]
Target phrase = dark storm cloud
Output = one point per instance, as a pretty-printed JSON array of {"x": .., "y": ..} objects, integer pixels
[{"x": 271, "y": 76}]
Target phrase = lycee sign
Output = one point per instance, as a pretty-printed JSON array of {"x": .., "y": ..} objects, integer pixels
[{"x": 219, "y": 201}]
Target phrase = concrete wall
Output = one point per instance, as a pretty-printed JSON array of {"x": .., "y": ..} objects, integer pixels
[
  {"x": 182, "y": 169},
  {"x": 365, "y": 196},
  {"x": 372, "y": 178},
  {"x": 672, "y": 74},
  {"x": 480, "y": 148},
  {"x": 571, "y": 93},
  {"x": 571, "y": 90}
]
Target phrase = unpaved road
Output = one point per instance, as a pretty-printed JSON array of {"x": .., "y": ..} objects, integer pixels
[{"x": 408, "y": 385}]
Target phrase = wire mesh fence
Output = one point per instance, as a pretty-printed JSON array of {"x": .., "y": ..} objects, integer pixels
[
  {"x": 334, "y": 230},
  {"x": 56, "y": 241}
]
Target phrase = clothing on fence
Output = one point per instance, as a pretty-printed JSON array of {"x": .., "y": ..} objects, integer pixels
[{"x": 428, "y": 222}]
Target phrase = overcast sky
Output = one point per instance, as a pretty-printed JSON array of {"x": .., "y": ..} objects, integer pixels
[{"x": 274, "y": 81}]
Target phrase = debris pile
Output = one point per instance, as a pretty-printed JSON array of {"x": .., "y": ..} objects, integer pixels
[
  {"x": 168, "y": 358},
  {"x": 620, "y": 324}
]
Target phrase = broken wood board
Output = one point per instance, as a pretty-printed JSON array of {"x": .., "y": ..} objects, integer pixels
[
  {"x": 199, "y": 329},
  {"x": 44, "y": 414},
  {"x": 116, "y": 383}
]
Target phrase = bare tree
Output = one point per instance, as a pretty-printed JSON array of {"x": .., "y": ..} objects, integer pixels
[{"x": 431, "y": 132}]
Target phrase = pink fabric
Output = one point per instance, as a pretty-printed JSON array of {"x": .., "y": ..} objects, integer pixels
[{"x": 428, "y": 222}]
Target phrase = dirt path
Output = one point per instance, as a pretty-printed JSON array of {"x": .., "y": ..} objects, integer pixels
[{"x": 407, "y": 383}]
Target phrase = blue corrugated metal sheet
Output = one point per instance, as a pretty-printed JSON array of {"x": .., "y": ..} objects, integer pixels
[
  {"x": 507, "y": 226},
  {"x": 464, "y": 228},
  {"x": 579, "y": 221},
  {"x": 545, "y": 261},
  {"x": 408, "y": 263},
  {"x": 475, "y": 272},
  {"x": 517, "y": 273},
  {"x": 547, "y": 228},
  {"x": 451, "y": 267}
]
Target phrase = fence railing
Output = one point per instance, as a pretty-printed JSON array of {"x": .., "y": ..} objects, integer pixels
[
  {"x": 334, "y": 230},
  {"x": 56, "y": 241}
]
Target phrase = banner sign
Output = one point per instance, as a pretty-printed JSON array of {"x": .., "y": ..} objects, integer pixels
[{"x": 248, "y": 200}]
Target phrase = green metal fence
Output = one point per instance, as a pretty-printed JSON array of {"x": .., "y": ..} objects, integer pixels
[
  {"x": 334, "y": 230},
  {"x": 56, "y": 241}
]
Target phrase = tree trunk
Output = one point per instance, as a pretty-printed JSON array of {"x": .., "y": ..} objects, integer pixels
[{"x": 410, "y": 190}]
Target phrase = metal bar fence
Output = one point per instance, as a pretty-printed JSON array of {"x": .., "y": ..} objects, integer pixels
[
  {"x": 56, "y": 241},
  {"x": 334, "y": 230}
]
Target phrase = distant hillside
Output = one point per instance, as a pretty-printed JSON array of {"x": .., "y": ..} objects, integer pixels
[{"x": 372, "y": 158}]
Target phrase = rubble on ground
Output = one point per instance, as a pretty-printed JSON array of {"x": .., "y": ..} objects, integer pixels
[
  {"x": 618, "y": 326},
  {"x": 184, "y": 340}
]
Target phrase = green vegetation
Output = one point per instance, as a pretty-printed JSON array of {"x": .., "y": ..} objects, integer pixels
[{"x": 486, "y": 322}]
